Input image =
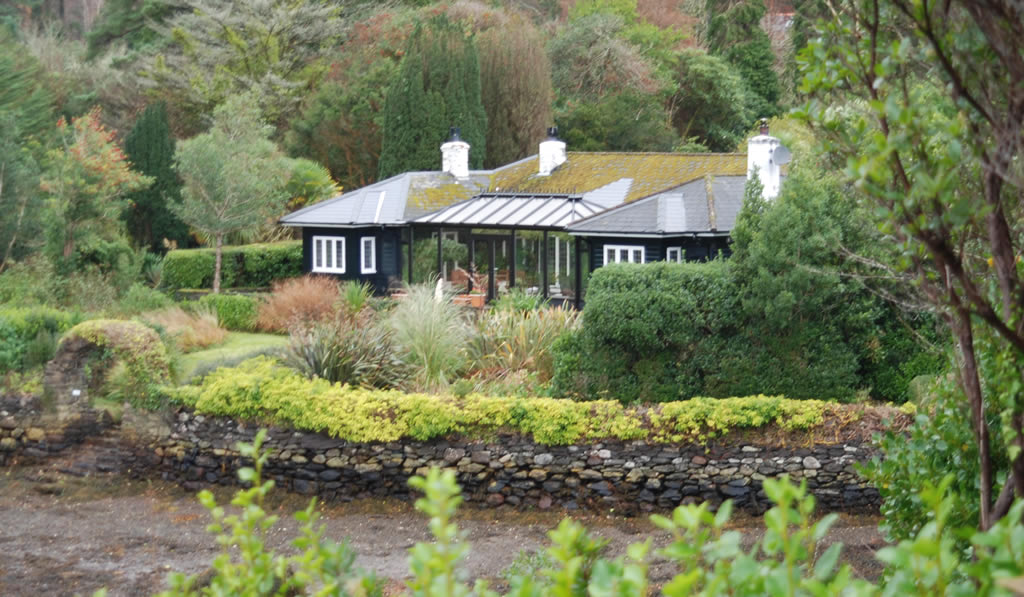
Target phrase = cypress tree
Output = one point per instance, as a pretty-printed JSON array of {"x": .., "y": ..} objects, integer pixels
[
  {"x": 150, "y": 148},
  {"x": 734, "y": 32},
  {"x": 437, "y": 86}
]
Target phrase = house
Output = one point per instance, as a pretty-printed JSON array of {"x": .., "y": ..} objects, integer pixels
[{"x": 542, "y": 223}]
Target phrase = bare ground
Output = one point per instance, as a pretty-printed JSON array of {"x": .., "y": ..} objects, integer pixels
[{"x": 67, "y": 535}]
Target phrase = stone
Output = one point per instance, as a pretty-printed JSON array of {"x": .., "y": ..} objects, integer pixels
[
  {"x": 453, "y": 455},
  {"x": 591, "y": 475},
  {"x": 538, "y": 474},
  {"x": 481, "y": 457},
  {"x": 604, "y": 454},
  {"x": 495, "y": 499},
  {"x": 304, "y": 487},
  {"x": 330, "y": 475},
  {"x": 35, "y": 434},
  {"x": 810, "y": 462},
  {"x": 8, "y": 444},
  {"x": 337, "y": 462},
  {"x": 750, "y": 449},
  {"x": 543, "y": 459},
  {"x": 545, "y": 502},
  {"x": 699, "y": 460}
]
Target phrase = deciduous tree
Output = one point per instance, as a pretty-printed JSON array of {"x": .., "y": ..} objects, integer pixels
[
  {"x": 86, "y": 182},
  {"x": 924, "y": 100},
  {"x": 234, "y": 175}
]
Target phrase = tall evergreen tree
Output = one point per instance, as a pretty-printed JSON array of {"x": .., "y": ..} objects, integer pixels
[
  {"x": 150, "y": 148},
  {"x": 437, "y": 86},
  {"x": 734, "y": 32}
]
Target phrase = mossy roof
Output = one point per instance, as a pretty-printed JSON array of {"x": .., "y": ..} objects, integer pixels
[{"x": 586, "y": 171}]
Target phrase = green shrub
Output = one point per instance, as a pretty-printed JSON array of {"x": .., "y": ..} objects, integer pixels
[
  {"x": 348, "y": 350},
  {"x": 261, "y": 389},
  {"x": 26, "y": 335},
  {"x": 508, "y": 340},
  {"x": 250, "y": 266},
  {"x": 141, "y": 298},
  {"x": 235, "y": 312},
  {"x": 208, "y": 366},
  {"x": 138, "y": 348},
  {"x": 30, "y": 283}
]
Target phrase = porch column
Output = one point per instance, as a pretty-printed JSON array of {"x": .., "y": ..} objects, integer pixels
[
  {"x": 512, "y": 262},
  {"x": 578, "y": 274},
  {"x": 440, "y": 256},
  {"x": 410, "y": 252},
  {"x": 544, "y": 264}
]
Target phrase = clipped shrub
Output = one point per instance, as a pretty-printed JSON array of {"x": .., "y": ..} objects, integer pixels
[
  {"x": 250, "y": 266},
  {"x": 190, "y": 331},
  {"x": 350, "y": 350},
  {"x": 135, "y": 347},
  {"x": 298, "y": 301},
  {"x": 140, "y": 298},
  {"x": 227, "y": 362},
  {"x": 234, "y": 311},
  {"x": 27, "y": 335},
  {"x": 262, "y": 389}
]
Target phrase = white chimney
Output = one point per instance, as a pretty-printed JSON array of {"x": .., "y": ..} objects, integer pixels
[
  {"x": 765, "y": 154},
  {"x": 455, "y": 155},
  {"x": 552, "y": 153}
]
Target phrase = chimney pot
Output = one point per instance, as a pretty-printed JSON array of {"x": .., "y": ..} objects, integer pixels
[
  {"x": 551, "y": 153},
  {"x": 455, "y": 155}
]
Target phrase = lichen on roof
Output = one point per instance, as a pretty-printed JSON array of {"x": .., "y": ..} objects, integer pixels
[
  {"x": 438, "y": 190},
  {"x": 651, "y": 172}
]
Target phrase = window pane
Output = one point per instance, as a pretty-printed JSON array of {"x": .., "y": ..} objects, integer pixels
[
  {"x": 638, "y": 256},
  {"x": 609, "y": 255},
  {"x": 339, "y": 254},
  {"x": 367, "y": 253},
  {"x": 317, "y": 253}
]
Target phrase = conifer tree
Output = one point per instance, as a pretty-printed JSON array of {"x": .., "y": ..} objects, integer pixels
[
  {"x": 150, "y": 148},
  {"x": 734, "y": 32},
  {"x": 437, "y": 86}
]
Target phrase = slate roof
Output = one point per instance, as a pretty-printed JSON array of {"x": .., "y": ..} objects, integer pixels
[
  {"x": 605, "y": 179},
  {"x": 682, "y": 210}
]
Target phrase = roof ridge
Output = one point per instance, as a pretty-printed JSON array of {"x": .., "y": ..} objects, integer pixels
[{"x": 661, "y": 153}]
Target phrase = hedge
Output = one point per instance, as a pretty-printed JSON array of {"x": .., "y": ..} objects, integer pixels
[
  {"x": 28, "y": 335},
  {"x": 235, "y": 312},
  {"x": 245, "y": 266},
  {"x": 263, "y": 390}
]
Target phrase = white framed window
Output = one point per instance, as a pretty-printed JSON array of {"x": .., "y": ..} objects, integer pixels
[
  {"x": 368, "y": 255},
  {"x": 329, "y": 254},
  {"x": 624, "y": 254},
  {"x": 674, "y": 255}
]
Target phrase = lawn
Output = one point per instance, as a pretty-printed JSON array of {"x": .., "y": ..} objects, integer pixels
[{"x": 237, "y": 346}]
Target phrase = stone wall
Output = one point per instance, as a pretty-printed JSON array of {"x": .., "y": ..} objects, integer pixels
[
  {"x": 29, "y": 432},
  {"x": 512, "y": 470}
]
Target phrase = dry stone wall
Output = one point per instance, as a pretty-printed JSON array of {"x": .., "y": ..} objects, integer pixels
[
  {"x": 513, "y": 470},
  {"x": 29, "y": 432}
]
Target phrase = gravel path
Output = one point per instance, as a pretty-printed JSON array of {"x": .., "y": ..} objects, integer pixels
[{"x": 68, "y": 536}]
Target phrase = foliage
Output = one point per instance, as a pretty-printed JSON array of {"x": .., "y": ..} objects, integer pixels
[
  {"x": 150, "y": 148},
  {"x": 940, "y": 442},
  {"x": 21, "y": 328},
  {"x": 309, "y": 183},
  {"x": 917, "y": 99},
  {"x": 86, "y": 181},
  {"x": 127, "y": 23},
  {"x": 255, "y": 569},
  {"x": 140, "y": 298},
  {"x": 246, "y": 266},
  {"x": 339, "y": 124},
  {"x": 436, "y": 87},
  {"x": 218, "y": 49},
  {"x": 517, "y": 299},
  {"x": 590, "y": 59},
  {"x": 23, "y": 93},
  {"x": 432, "y": 333},
  {"x": 515, "y": 80},
  {"x": 190, "y": 331},
  {"x": 138, "y": 348},
  {"x": 508, "y": 340},
  {"x": 626, "y": 120},
  {"x": 734, "y": 32},
  {"x": 22, "y": 213},
  {"x": 298, "y": 301},
  {"x": 710, "y": 102},
  {"x": 234, "y": 177},
  {"x": 261, "y": 389},
  {"x": 235, "y": 312},
  {"x": 350, "y": 349}
]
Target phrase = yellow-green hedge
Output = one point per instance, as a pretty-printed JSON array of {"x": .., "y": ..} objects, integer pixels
[{"x": 261, "y": 389}]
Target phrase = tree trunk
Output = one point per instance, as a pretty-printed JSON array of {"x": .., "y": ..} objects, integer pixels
[
  {"x": 216, "y": 263},
  {"x": 972, "y": 387}
]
